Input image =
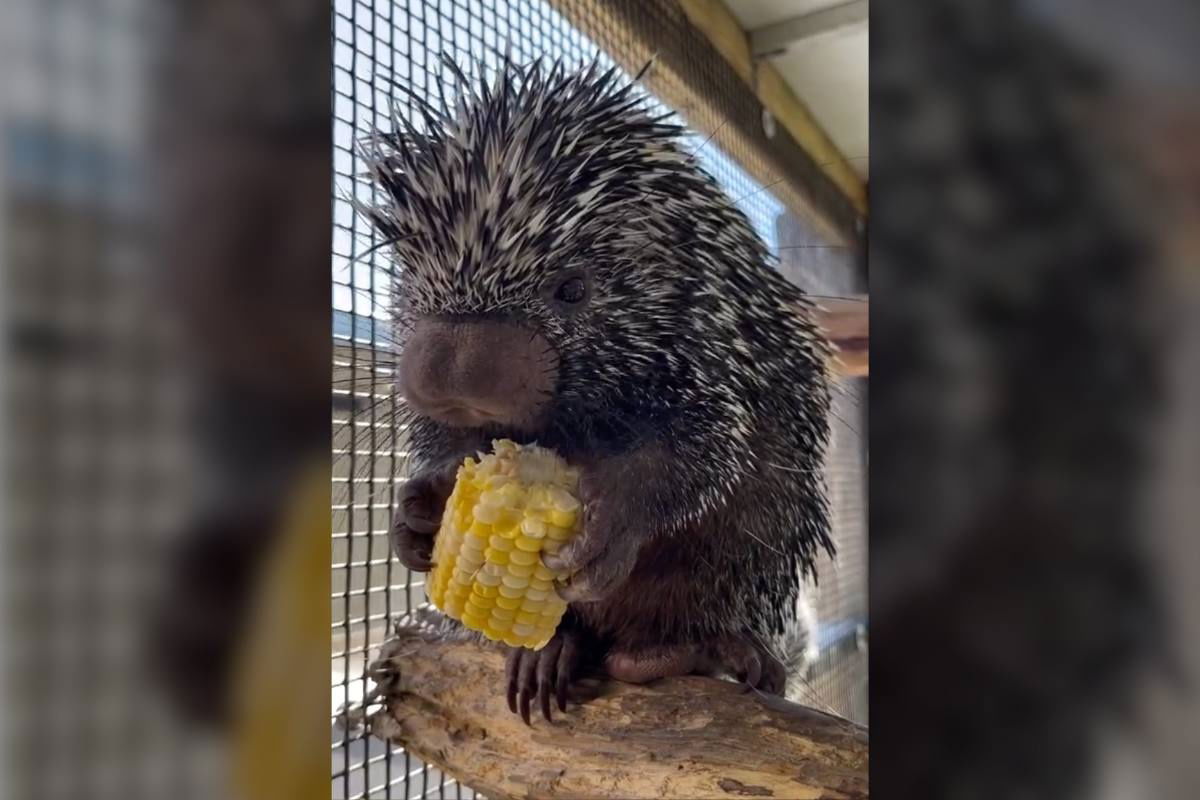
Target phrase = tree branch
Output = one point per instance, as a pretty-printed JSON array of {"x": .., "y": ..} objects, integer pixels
[{"x": 688, "y": 737}]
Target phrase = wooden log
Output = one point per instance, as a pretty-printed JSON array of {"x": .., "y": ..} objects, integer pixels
[{"x": 690, "y": 737}]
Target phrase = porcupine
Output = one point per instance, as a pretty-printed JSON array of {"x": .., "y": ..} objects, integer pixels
[{"x": 568, "y": 274}]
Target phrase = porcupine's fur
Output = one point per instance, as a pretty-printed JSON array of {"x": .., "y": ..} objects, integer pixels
[{"x": 546, "y": 169}]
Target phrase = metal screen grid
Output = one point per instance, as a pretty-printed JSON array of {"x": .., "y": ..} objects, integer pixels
[
  {"x": 838, "y": 681},
  {"x": 377, "y": 47}
]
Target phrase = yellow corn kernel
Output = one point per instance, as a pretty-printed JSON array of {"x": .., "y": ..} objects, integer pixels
[
  {"x": 527, "y": 544},
  {"x": 563, "y": 520},
  {"x": 489, "y": 575},
  {"x": 523, "y": 557},
  {"x": 533, "y": 527},
  {"x": 475, "y": 607},
  {"x": 558, "y": 532},
  {"x": 507, "y": 508}
]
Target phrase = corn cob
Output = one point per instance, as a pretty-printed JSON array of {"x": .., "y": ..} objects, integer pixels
[{"x": 506, "y": 509}]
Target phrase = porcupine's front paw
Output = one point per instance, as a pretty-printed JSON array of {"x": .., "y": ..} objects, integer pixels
[
  {"x": 602, "y": 556},
  {"x": 422, "y": 501},
  {"x": 543, "y": 673}
]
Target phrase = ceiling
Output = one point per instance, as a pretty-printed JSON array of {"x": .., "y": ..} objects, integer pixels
[{"x": 823, "y": 56}]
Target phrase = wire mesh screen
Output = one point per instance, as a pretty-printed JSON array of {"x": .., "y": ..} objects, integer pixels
[
  {"x": 838, "y": 681},
  {"x": 378, "y": 47}
]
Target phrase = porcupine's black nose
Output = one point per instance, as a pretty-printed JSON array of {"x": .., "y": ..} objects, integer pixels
[{"x": 473, "y": 372}]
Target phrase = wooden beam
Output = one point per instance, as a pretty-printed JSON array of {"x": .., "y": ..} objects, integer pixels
[
  {"x": 847, "y": 323},
  {"x": 690, "y": 75},
  {"x": 776, "y": 38},
  {"x": 721, "y": 28},
  {"x": 688, "y": 737}
]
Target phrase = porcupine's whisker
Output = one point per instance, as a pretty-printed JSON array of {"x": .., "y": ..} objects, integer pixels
[
  {"x": 355, "y": 382},
  {"x": 810, "y": 689},
  {"x": 813, "y": 247},
  {"x": 814, "y": 696},
  {"x": 735, "y": 203},
  {"x": 395, "y": 417},
  {"x": 780, "y": 180},
  {"x": 845, "y": 393},
  {"x": 389, "y": 438},
  {"x": 852, "y": 298},
  {"x": 382, "y": 357},
  {"x": 838, "y": 417},
  {"x": 384, "y": 327},
  {"x": 388, "y": 322},
  {"x": 380, "y": 339},
  {"x": 709, "y": 139},
  {"x": 817, "y": 471},
  {"x": 375, "y": 383},
  {"x": 843, "y": 160},
  {"x": 389, "y": 268}
]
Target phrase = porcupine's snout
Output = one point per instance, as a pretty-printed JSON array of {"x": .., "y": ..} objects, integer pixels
[{"x": 476, "y": 372}]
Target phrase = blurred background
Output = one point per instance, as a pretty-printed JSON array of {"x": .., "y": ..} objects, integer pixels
[
  {"x": 166, "y": 175},
  {"x": 1033, "y": 514}
]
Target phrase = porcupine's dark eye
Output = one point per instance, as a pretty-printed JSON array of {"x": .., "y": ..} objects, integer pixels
[
  {"x": 568, "y": 291},
  {"x": 571, "y": 291}
]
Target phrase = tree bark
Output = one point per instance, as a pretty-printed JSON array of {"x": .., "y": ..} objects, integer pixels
[{"x": 690, "y": 737}]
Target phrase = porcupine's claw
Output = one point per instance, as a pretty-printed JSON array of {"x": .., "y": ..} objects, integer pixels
[
  {"x": 750, "y": 663},
  {"x": 545, "y": 673}
]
